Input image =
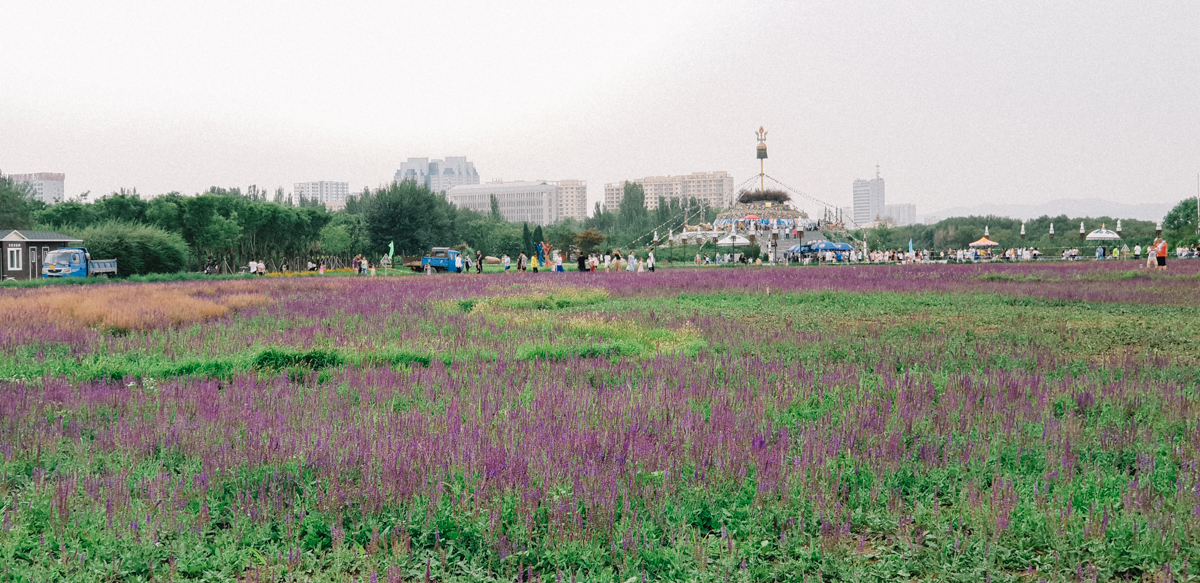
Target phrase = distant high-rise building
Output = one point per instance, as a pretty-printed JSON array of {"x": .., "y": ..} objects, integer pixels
[
  {"x": 714, "y": 188},
  {"x": 868, "y": 199},
  {"x": 331, "y": 194},
  {"x": 438, "y": 175},
  {"x": 902, "y": 215},
  {"x": 572, "y": 199},
  {"x": 46, "y": 186},
  {"x": 534, "y": 202}
]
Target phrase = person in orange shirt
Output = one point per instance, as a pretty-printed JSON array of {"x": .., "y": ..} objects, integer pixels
[{"x": 1160, "y": 249}]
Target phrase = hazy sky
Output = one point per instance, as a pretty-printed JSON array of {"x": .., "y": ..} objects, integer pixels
[{"x": 956, "y": 101}]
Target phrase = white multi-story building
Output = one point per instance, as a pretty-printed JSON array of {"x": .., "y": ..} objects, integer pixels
[
  {"x": 438, "y": 175},
  {"x": 572, "y": 199},
  {"x": 331, "y": 194},
  {"x": 868, "y": 199},
  {"x": 714, "y": 188},
  {"x": 534, "y": 202},
  {"x": 46, "y": 186},
  {"x": 902, "y": 215}
]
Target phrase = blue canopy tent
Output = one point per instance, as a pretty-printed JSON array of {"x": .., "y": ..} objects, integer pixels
[{"x": 830, "y": 246}]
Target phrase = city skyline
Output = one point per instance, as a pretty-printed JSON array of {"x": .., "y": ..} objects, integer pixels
[{"x": 1021, "y": 102}]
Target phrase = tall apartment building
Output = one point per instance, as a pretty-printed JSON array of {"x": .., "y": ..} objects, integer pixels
[
  {"x": 438, "y": 175},
  {"x": 902, "y": 215},
  {"x": 868, "y": 199},
  {"x": 46, "y": 186},
  {"x": 534, "y": 202},
  {"x": 714, "y": 188},
  {"x": 572, "y": 199},
  {"x": 331, "y": 194}
]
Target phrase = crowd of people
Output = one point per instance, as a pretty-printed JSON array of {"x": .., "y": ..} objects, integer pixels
[
  {"x": 609, "y": 261},
  {"x": 613, "y": 260}
]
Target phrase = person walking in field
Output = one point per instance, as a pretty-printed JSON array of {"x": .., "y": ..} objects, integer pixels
[
  {"x": 478, "y": 261},
  {"x": 1160, "y": 247},
  {"x": 507, "y": 262}
]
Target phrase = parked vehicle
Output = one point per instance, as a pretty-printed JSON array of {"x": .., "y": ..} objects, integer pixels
[
  {"x": 76, "y": 262},
  {"x": 443, "y": 259}
]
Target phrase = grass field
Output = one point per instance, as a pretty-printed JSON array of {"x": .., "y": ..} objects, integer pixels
[{"x": 874, "y": 423}]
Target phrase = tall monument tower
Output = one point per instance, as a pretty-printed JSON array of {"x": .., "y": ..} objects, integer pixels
[{"x": 762, "y": 155}]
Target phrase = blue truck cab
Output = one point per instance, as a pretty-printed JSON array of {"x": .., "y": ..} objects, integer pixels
[
  {"x": 76, "y": 262},
  {"x": 442, "y": 259}
]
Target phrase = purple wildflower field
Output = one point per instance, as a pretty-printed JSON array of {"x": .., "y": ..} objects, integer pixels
[{"x": 938, "y": 422}]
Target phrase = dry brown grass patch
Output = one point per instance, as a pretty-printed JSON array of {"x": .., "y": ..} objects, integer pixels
[{"x": 124, "y": 308}]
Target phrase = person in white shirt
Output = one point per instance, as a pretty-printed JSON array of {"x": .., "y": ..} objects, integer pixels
[
  {"x": 650, "y": 261},
  {"x": 558, "y": 262},
  {"x": 253, "y": 267},
  {"x": 507, "y": 263}
]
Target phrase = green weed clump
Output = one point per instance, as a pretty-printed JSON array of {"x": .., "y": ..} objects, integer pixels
[
  {"x": 549, "y": 351},
  {"x": 282, "y": 358}
]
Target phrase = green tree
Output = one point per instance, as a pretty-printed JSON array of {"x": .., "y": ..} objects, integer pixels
[
  {"x": 220, "y": 234},
  {"x": 124, "y": 206},
  {"x": 496, "y": 216},
  {"x": 166, "y": 212},
  {"x": 526, "y": 240},
  {"x": 632, "y": 215},
  {"x": 336, "y": 240},
  {"x": 66, "y": 214},
  {"x": 411, "y": 216},
  {"x": 562, "y": 234},
  {"x": 16, "y": 210},
  {"x": 1179, "y": 226},
  {"x": 507, "y": 241},
  {"x": 538, "y": 236},
  {"x": 589, "y": 240}
]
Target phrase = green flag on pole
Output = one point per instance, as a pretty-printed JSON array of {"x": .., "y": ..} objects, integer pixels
[{"x": 391, "y": 249}]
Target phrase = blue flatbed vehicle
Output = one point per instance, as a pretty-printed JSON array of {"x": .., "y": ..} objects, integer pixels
[
  {"x": 76, "y": 262},
  {"x": 442, "y": 259}
]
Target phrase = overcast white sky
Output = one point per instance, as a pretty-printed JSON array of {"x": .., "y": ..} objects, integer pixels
[{"x": 956, "y": 101}]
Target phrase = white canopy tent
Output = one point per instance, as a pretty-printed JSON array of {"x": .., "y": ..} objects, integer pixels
[{"x": 733, "y": 241}]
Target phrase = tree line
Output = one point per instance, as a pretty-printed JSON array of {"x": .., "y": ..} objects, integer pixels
[
  {"x": 1179, "y": 228},
  {"x": 173, "y": 232}
]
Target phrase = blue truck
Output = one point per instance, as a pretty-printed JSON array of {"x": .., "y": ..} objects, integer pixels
[
  {"x": 76, "y": 262},
  {"x": 443, "y": 259}
]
